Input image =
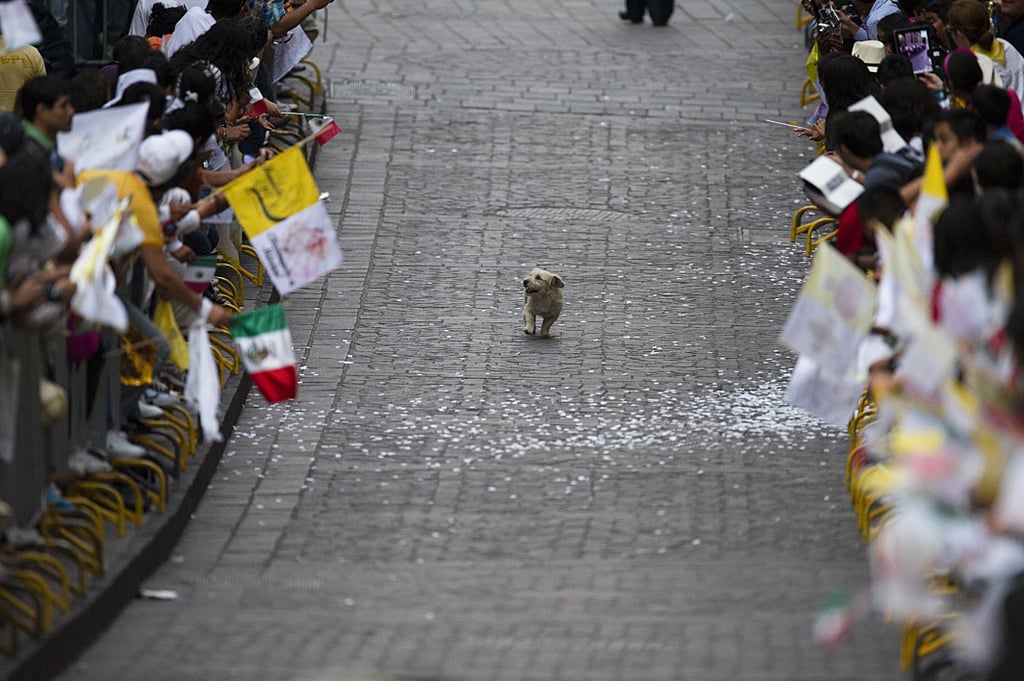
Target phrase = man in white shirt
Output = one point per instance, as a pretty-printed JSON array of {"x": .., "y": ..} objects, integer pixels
[
  {"x": 198, "y": 21},
  {"x": 871, "y": 12},
  {"x": 140, "y": 19}
]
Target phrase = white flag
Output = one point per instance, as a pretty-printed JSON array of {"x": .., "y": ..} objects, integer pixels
[{"x": 106, "y": 139}]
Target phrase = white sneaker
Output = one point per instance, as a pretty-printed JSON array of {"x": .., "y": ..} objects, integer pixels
[
  {"x": 165, "y": 398},
  {"x": 119, "y": 447},
  {"x": 84, "y": 463},
  {"x": 149, "y": 411},
  {"x": 25, "y": 537}
]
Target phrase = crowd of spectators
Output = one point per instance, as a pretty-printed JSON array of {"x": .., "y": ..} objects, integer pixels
[
  {"x": 941, "y": 361},
  {"x": 197, "y": 69}
]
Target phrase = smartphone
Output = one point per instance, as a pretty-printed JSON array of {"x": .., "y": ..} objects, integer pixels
[{"x": 918, "y": 44}]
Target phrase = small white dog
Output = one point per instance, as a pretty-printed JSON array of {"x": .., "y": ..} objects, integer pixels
[{"x": 543, "y": 298}]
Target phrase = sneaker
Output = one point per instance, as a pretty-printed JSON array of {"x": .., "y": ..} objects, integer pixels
[
  {"x": 160, "y": 398},
  {"x": 84, "y": 463},
  {"x": 25, "y": 538},
  {"x": 55, "y": 500},
  {"x": 118, "y": 446},
  {"x": 149, "y": 411}
]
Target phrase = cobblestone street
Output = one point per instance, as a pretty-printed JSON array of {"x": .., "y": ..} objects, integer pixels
[{"x": 449, "y": 498}]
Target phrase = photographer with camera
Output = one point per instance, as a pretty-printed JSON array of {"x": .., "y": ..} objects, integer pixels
[{"x": 870, "y": 12}]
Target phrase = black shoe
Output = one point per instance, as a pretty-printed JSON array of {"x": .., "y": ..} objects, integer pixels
[
  {"x": 661, "y": 23},
  {"x": 625, "y": 17}
]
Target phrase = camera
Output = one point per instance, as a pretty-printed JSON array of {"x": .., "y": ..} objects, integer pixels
[{"x": 828, "y": 19}]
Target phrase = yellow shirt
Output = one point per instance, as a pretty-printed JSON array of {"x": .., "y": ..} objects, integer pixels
[
  {"x": 129, "y": 185},
  {"x": 16, "y": 68}
]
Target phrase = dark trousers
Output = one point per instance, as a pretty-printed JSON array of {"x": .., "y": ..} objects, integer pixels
[{"x": 660, "y": 10}]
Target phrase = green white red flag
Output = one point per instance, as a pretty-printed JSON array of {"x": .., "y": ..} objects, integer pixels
[
  {"x": 199, "y": 273},
  {"x": 265, "y": 345}
]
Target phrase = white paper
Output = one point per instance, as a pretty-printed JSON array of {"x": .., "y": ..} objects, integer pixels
[
  {"x": 829, "y": 185},
  {"x": 105, "y": 139},
  {"x": 892, "y": 141},
  {"x": 831, "y": 398},
  {"x": 17, "y": 25}
]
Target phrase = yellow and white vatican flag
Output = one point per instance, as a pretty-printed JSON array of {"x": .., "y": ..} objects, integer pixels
[
  {"x": 933, "y": 199},
  {"x": 278, "y": 205},
  {"x": 94, "y": 299}
]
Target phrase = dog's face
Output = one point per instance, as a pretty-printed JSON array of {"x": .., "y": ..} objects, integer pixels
[{"x": 540, "y": 281}]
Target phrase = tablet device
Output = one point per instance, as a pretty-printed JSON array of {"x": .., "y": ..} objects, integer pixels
[{"x": 918, "y": 45}]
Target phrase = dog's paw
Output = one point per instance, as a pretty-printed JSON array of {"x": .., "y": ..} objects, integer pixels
[{"x": 528, "y": 331}]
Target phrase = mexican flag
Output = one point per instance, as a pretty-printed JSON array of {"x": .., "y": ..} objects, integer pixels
[
  {"x": 199, "y": 273},
  {"x": 326, "y": 129},
  {"x": 265, "y": 346}
]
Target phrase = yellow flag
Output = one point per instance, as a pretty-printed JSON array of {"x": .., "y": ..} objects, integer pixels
[
  {"x": 930, "y": 203},
  {"x": 272, "y": 192}
]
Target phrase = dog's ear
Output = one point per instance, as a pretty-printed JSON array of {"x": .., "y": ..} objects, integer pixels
[{"x": 557, "y": 282}]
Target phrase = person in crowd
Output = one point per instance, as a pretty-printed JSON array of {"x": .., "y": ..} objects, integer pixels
[
  {"x": 892, "y": 67},
  {"x": 971, "y": 27},
  {"x": 89, "y": 90},
  {"x": 196, "y": 22},
  {"x": 959, "y": 136},
  {"x": 1009, "y": 22},
  {"x": 935, "y": 12},
  {"x": 995, "y": 106},
  {"x": 857, "y": 139},
  {"x": 855, "y": 229},
  {"x": 46, "y": 109},
  {"x": 17, "y": 67},
  {"x": 161, "y": 24},
  {"x": 870, "y": 12},
  {"x": 912, "y": 108},
  {"x": 845, "y": 80},
  {"x": 964, "y": 74},
  {"x": 998, "y": 166},
  {"x": 886, "y": 26}
]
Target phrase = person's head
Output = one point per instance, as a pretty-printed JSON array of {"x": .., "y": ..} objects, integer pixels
[
  {"x": 89, "y": 90},
  {"x": 845, "y": 79},
  {"x": 992, "y": 103},
  {"x": 259, "y": 32},
  {"x": 972, "y": 233},
  {"x": 128, "y": 47},
  {"x": 863, "y": 6},
  {"x": 1011, "y": 8},
  {"x": 153, "y": 95},
  {"x": 892, "y": 67},
  {"x": 969, "y": 23},
  {"x": 881, "y": 203},
  {"x": 163, "y": 19},
  {"x": 12, "y": 135},
  {"x": 955, "y": 129},
  {"x": 46, "y": 103},
  {"x": 31, "y": 174},
  {"x": 228, "y": 46},
  {"x": 857, "y": 137},
  {"x": 198, "y": 120},
  {"x": 998, "y": 166},
  {"x": 963, "y": 73},
  {"x": 198, "y": 83},
  {"x": 935, "y": 12},
  {"x": 910, "y": 105},
  {"x": 227, "y": 9},
  {"x": 888, "y": 24}
]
